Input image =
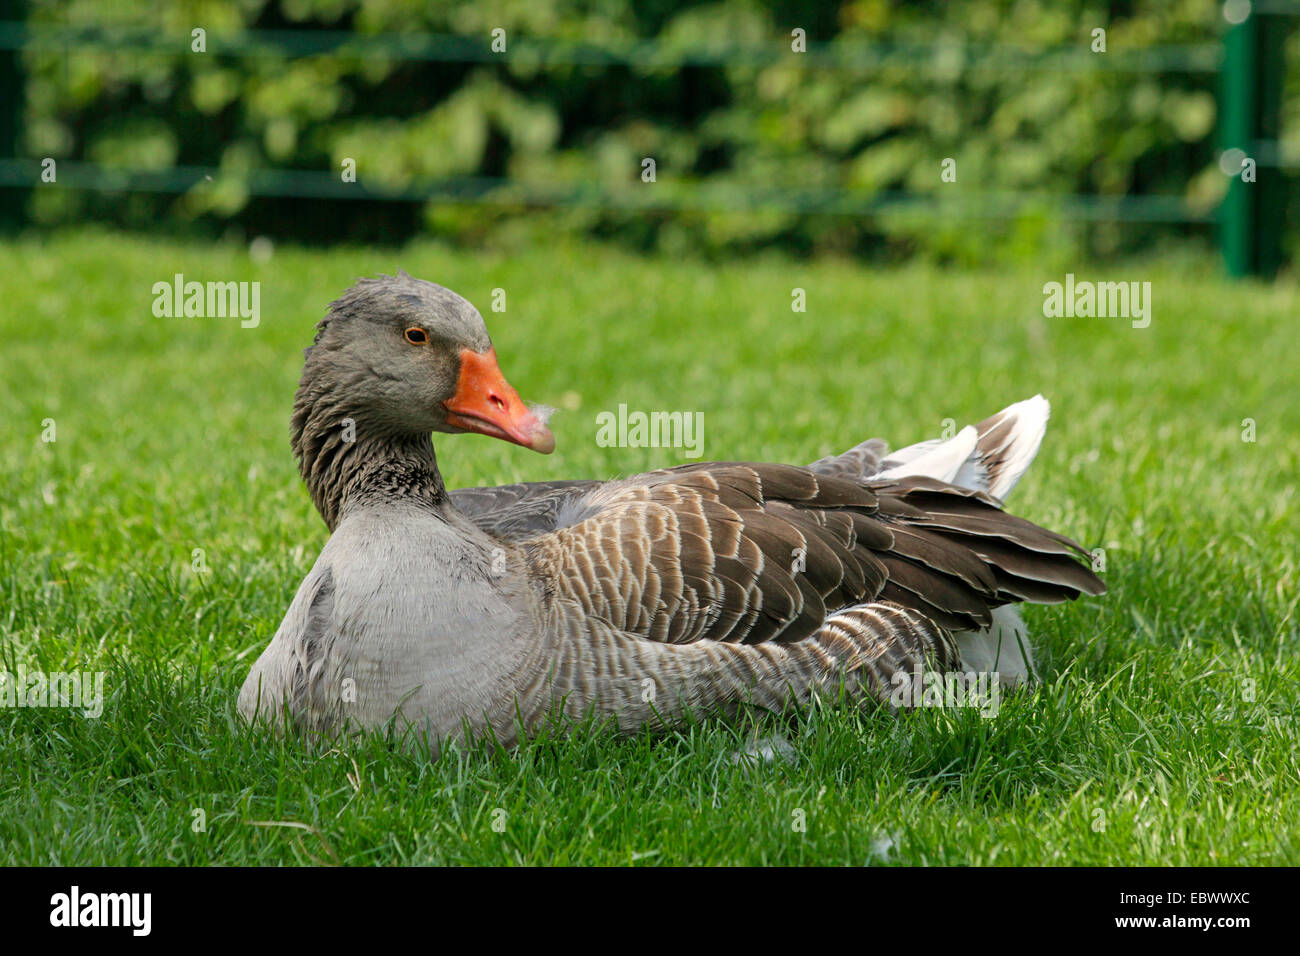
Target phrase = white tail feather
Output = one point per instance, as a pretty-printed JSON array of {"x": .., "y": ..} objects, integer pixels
[
  {"x": 937, "y": 458},
  {"x": 991, "y": 456}
]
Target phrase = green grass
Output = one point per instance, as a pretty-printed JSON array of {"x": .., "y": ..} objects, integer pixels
[{"x": 1165, "y": 731}]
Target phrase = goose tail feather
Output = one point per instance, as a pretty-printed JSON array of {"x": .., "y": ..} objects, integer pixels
[{"x": 990, "y": 457}]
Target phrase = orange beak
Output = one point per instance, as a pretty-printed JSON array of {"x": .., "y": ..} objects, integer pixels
[{"x": 486, "y": 403}]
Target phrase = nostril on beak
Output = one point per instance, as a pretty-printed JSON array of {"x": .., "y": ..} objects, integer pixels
[{"x": 496, "y": 400}]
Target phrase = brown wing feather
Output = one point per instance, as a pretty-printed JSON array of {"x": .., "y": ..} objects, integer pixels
[{"x": 750, "y": 553}]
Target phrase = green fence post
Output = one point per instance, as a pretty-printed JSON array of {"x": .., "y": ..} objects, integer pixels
[
  {"x": 1237, "y": 105},
  {"x": 1271, "y": 189},
  {"x": 13, "y": 199}
]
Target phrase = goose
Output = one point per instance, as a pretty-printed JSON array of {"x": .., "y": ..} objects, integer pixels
[{"x": 703, "y": 587}]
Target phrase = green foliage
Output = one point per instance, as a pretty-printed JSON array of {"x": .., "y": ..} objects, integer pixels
[{"x": 748, "y": 153}]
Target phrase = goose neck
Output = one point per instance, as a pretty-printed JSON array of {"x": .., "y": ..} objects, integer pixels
[{"x": 346, "y": 463}]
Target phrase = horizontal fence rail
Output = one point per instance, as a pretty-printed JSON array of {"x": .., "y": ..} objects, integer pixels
[
  {"x": 316, "y": 184},
  {"x": 553, "y": 52}
]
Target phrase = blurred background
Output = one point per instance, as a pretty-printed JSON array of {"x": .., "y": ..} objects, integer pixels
[{"x": 1067, "y": 129}]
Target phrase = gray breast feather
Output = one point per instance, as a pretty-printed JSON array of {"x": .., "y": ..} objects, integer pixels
[
  {"x": 520, "y": 510},
  {"x": 292, "y": 670}
]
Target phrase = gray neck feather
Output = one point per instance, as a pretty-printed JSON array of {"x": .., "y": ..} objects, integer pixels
[{"x": 376, "y": 466}]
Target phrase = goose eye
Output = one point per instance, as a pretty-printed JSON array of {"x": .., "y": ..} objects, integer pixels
[{"x": 416, "y": 336}]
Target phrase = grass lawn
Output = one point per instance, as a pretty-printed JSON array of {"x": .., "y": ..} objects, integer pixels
[{"x": 1164, "y": 732}]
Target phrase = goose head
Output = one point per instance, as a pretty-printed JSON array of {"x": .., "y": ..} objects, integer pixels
[{"x": 404, "y": 357}]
